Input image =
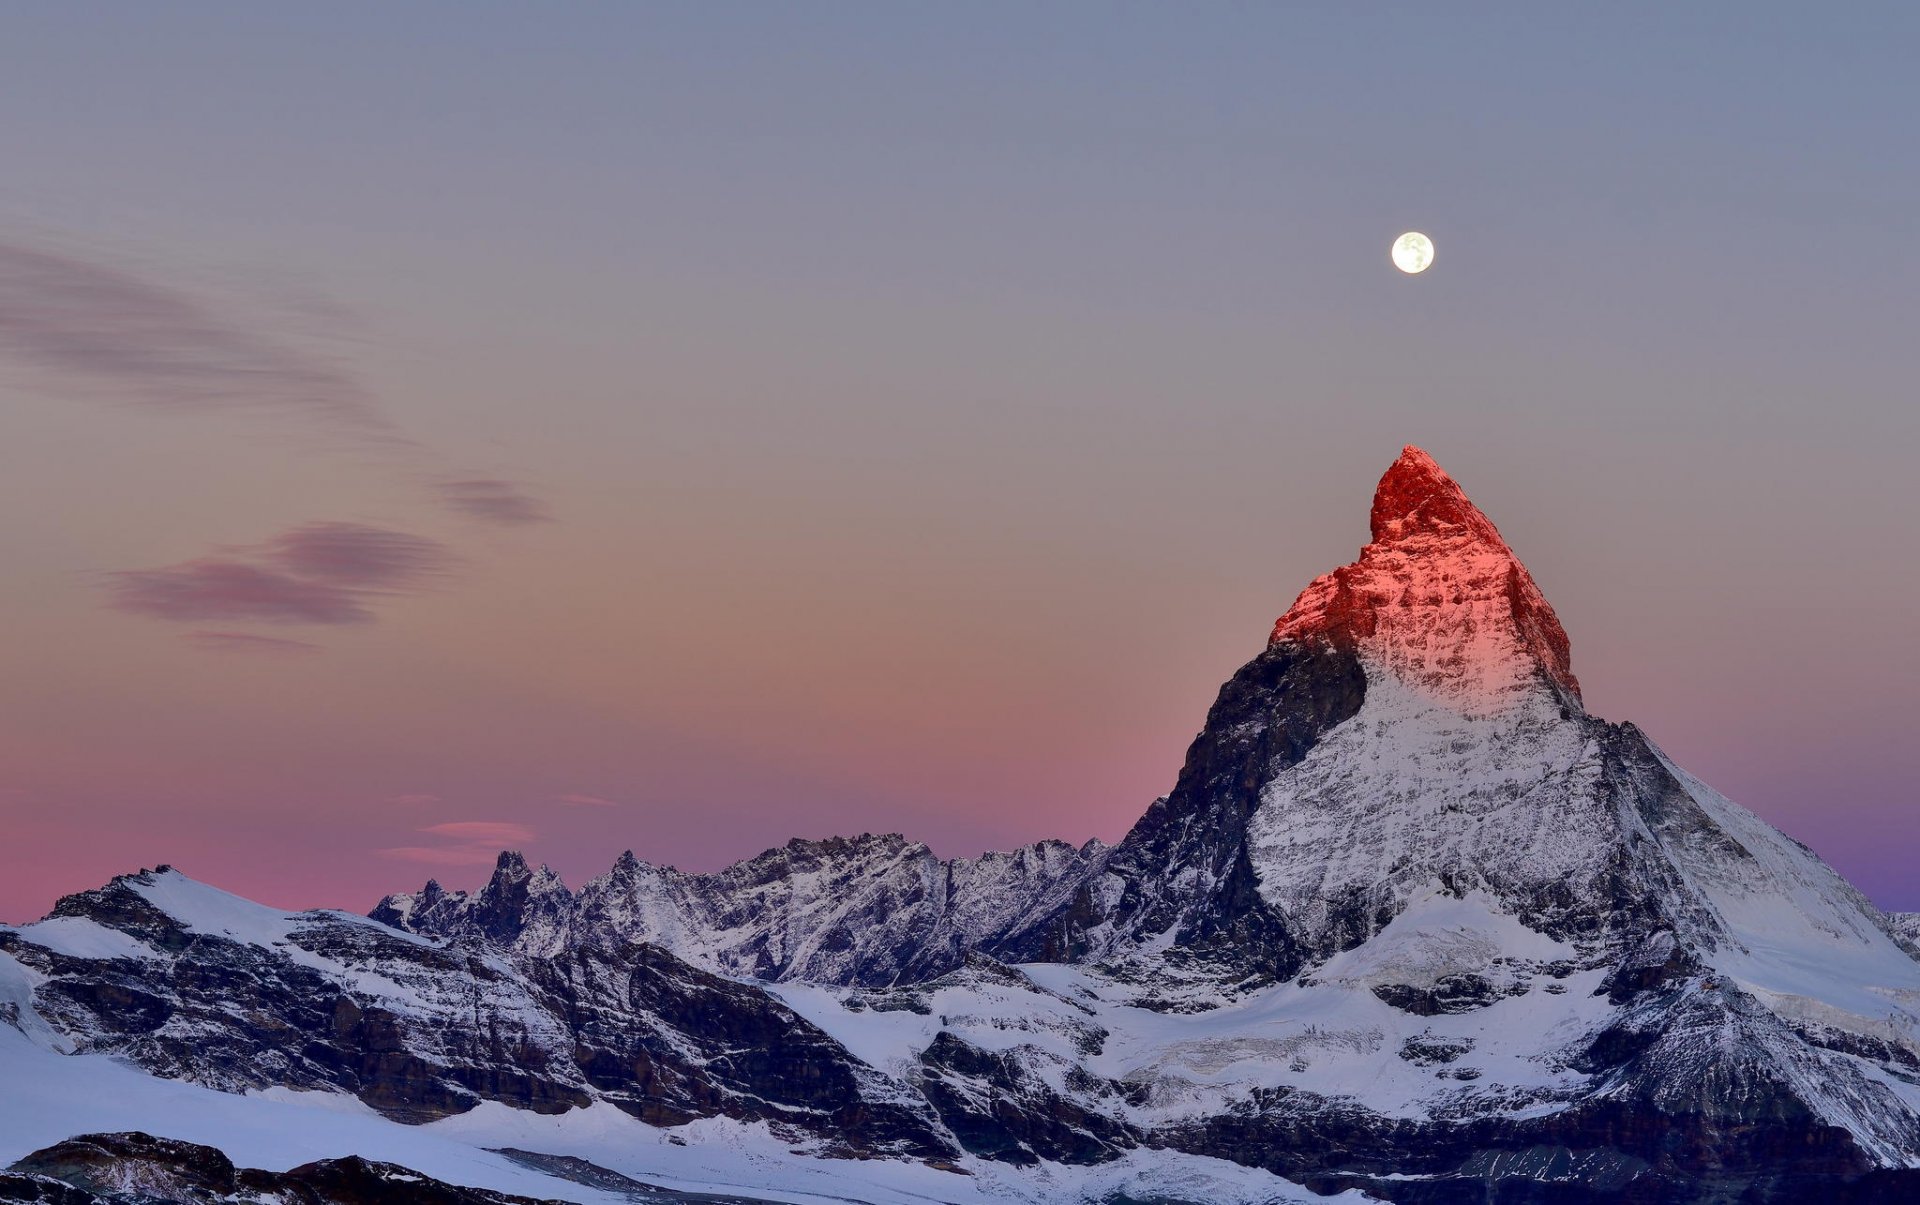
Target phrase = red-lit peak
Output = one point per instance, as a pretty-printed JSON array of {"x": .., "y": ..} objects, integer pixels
[
  {"x": 1437, "y": 599},
  {"x": 1416, "y": 495}
]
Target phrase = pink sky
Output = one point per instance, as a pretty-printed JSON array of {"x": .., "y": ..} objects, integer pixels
[{"x": 828, "y": 425}]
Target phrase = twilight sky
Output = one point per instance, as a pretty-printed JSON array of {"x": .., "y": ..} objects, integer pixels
[{"x": 683, "y": 427}]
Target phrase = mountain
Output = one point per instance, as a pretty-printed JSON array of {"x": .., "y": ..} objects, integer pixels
[
  {"x": 865, "y": 911},
  {"x": 1412, "y": 925},
  {"x": 189, "y": 982}
]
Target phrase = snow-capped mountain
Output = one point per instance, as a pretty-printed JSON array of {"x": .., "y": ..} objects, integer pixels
[
  {"x": 807, "y": 910},
  {"x": 1411, "y": 924}
]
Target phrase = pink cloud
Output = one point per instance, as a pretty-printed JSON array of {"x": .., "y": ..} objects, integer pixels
[
  {"x": 352, "y": 555},
  {"x": 319, "y": 573},
  {"x": 242, "y": 642},
  {"x": 494, "y": 501},
  {"x": 585, "y": 801},
  {"x": 227, "y": 590}
]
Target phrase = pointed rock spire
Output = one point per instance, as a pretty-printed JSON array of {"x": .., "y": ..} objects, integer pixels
[
  {"x": 1416, "y": 496},
  {"x": 1437, "y": 599}
]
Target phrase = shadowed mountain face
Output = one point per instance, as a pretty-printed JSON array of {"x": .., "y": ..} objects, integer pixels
[
  {"x": 135, "y": 1169},
  {"x": 1410, "y": 922}
]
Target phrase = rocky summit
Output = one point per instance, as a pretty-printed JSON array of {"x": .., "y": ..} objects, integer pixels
[{"x": 1411, "y": 926}]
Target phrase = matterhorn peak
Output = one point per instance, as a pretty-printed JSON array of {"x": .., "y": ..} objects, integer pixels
[
  {"x": 1416, "y": 496},
  {"x": 1437, "y": 599}
]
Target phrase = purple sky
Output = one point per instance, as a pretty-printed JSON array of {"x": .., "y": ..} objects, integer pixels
[{"x": 687, "y": 427}]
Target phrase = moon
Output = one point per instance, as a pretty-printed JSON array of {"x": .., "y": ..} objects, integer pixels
[{"x": 1412, "y": 252}]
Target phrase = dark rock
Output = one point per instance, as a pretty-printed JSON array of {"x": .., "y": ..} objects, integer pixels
[
  {"x": 1448, "y": 994},
  {"x": 1426, "y": 1050},
  {"x": 1184, "y": 866},
  {"x": 998, "y": 1107}
]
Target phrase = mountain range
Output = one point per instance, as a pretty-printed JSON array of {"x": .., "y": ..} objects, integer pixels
[{"x": 1411, "y": 926}]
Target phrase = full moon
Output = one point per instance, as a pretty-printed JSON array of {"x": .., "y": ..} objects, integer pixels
[{"x": 1412, "y": 252}]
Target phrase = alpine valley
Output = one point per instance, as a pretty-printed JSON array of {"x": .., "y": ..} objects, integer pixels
[{"x": 1412, "y": 926}]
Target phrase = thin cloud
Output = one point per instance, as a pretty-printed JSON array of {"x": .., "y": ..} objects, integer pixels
[
  {"x": 319, "y": 573},
  {"x": 351, "y": 555},
  {"x": 585, "y": 801},
  {"x": 246, "y": 643},
  {"x": 209, "y": 589},
  {"x": 468, "y": 843},
  {"x": 497, "y": 833},
  {"x": 494, "y": 501},
  {"x": 76, "y": 324},
  {"x": 108, "y": 332}
]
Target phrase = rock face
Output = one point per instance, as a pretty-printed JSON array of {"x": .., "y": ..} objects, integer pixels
[
  {"x": 139, "y": 1169},
  {"x": 1411, "y": 921},
  {"x": 1437, "y": 598},
  {"x": 1905, "y": 927}
]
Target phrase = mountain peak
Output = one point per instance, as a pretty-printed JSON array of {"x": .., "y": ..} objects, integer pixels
[
  {"x": 1417, "y": 496},
  {"x": 1437, "y": 599}
]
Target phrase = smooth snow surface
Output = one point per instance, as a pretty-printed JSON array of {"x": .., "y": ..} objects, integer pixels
[
  {"x": 209, "y": 910},
  {"x": 49, "y": 1097},
  {"x": 81, "y": 937},
  {"x": 1802, "y": 938}
]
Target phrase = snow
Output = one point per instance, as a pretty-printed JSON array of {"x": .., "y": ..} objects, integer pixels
[
  {"x": 720, "y": 1155},
  {"x": 50, "y": 1097},
  {"x": 16, "y": 1008},
  {"x": 82, "y": 937},
  {"x": 204, "y": 909},
  {"x": 1802, "y": 938},
  {"x": 1411, "y": 789}
]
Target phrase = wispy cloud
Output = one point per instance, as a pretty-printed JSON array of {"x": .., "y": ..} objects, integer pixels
[
  {"x": 105, "y": 331},
  {"x": 349, "y": 554},
  {"x": 319, "y": 573},
  {"x": 466, "y": 843},
  {"x": 246, "y": 643},
  {"x": 585, "y": 801},
  {"x": 208, "y": 589},
  {"x": 494, "y": 501},
  {"x": 496, "y": 833},
  {"x": 80, "y": 324}
]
